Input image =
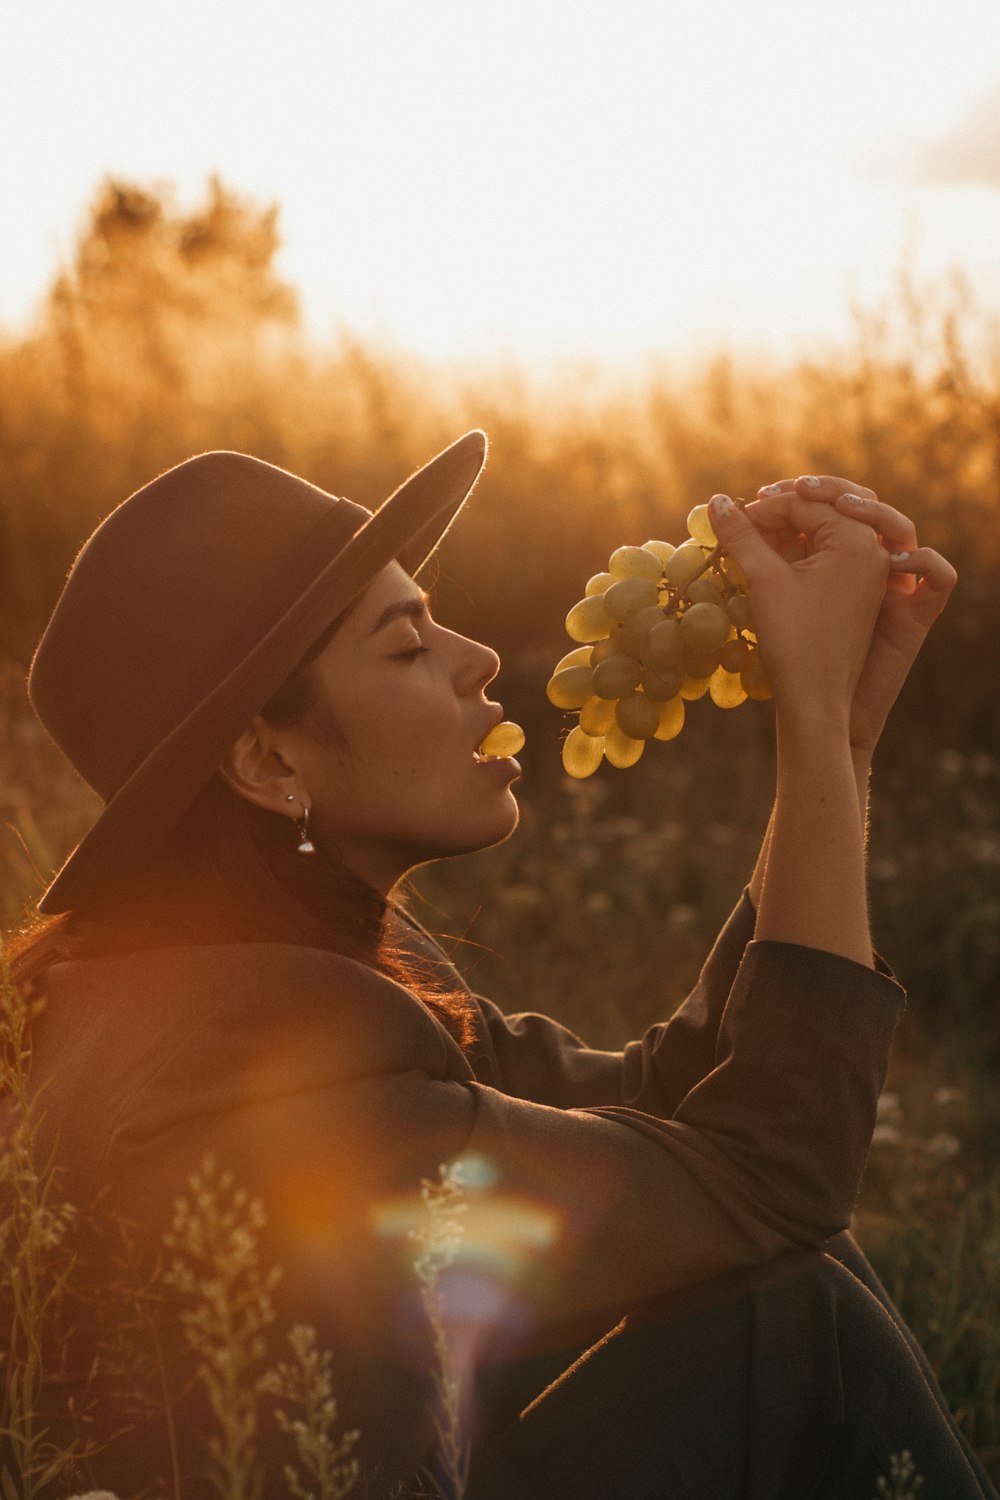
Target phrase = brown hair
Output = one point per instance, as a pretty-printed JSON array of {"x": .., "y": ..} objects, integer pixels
[{"x": 230, "y": 873}]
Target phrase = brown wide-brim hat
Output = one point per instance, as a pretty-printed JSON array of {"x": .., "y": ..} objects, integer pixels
[{"x": 185, "y": 612}]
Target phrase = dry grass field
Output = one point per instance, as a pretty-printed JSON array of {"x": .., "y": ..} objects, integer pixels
[{"x": 168, "y": 335}]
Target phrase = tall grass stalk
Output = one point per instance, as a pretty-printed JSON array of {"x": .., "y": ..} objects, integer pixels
[
  {"x": 35, "y": 1257},
  {"x": 325, "y": 1460},
  {"x": 439, "y": 1236},
  {"x": 227, "y": 1306},
  {"x": 903, "y": 1482}
]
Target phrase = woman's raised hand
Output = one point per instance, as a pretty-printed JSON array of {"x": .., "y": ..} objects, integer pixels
[
  {"x": 817, "y": 582},
  {"x": 918, "y": 587}
]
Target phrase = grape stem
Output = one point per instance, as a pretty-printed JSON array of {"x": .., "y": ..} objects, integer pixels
[{"x": 673, "y": 595}]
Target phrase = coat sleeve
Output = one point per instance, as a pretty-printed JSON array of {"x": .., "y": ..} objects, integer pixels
[
  {"x": 569, "y": 1210},
  {"x": 533, "y": 1057}
]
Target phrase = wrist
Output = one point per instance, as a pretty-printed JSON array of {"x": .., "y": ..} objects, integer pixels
[
  {"x": 801, "y": 723},
  {"x": 864, "y": 743}
]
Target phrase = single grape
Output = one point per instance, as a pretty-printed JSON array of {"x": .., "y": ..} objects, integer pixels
[
  {"x": 734, "y": 655},
  {"x": 637, "y": 629},
  {"x": 755, "y": 679},
  {"x": 700, "y": 526},
  {"x": 726, "y": 689},
  {"x": 664, "y": 646},
  {"x": 620, "y": 749},
  {"x": 581, "y": 753},
  {"x": 628, "y": 596},
  {"x": 738, "y": 610},
  {"x": 685, "y": 562},
  {"x": 503, "y": 739},
  {"x": 660, "y": 686},
  {"x": 703, "y": 590},
  {"x": 616, "y": 677},
  {"x": 588, "y": 620},
  {"x": 671, "y": 719},
  {"x": 637, "y": 716},
  {"x": 608, "y": 647},
  {"x": 597, "y": 584},
  {"x": 701, "y": 663},
  {"x": 663, "y": 550},
  {"x": 597, "y": 716},
  {"x": 704, "y": 628},
  {"x": 635, "y": 562},
  {"x": 578, "y": 657},
  {"x": 569, "y": 688},
  {"x": 693, "y": 688}
]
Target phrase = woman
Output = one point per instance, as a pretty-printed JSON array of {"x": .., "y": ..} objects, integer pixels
[{"x": 247, "y": 672}]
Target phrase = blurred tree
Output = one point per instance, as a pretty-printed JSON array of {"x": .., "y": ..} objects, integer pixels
[
  {"x": 167, "y": 332},
  {"x": 163, "y": 297},
  {"x": 141, "y": 262}
]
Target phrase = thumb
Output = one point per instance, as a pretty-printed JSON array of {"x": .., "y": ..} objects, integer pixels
[{"x": 739, "y": 537}]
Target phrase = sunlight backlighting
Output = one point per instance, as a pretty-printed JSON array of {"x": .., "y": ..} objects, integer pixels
[{"x": 532, "y": 179}]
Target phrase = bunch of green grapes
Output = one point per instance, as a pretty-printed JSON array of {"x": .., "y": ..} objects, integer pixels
[{"x": 664, "y": 625}]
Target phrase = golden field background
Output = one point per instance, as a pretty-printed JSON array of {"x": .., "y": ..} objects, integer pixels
[{"x": 170, "y": 333}]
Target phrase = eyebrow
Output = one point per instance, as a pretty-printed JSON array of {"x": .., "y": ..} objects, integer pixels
[{"x": 415, "y": 608}]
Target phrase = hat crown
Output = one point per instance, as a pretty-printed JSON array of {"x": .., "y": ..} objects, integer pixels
[{"x": 172, "y": 590}]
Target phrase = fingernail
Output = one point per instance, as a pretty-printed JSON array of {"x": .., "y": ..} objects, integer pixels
[
  {"x": 810, "y": 479},
  {"x": 898, "y": 556},
  {"x": 721, "y": 504},
  {"x": 853, "y": 499},
  {"x": 770, "y": 489}
]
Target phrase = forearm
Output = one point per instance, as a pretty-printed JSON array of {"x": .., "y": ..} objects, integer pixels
[
  {"x": 812, "y": 891},
  {"x": 862, "y": 776}
]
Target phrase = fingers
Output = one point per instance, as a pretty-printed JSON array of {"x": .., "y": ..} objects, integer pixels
[
  {"x": 896, "y": 530},
  {"x": 741, "y": 537},
  {"x": 815, "y": 487},
  {"x": 787, "y": 516},
  {"x": 850, "y": 499},
  {"x": 936, "y": 577}
]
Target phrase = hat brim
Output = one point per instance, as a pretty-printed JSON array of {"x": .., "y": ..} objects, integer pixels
[{"x": 407, "y": 527}]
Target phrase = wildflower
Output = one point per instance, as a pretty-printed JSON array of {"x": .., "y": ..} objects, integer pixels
[
  {"x": 216, "y": 1268},
  {"x": 943, "y": 1146},
  {"x": 903, "y": 1481},
  {"x": 307, "y": 1383},
  {"x": 439, "y": 1237},
  {"x": 888, "y": 1109},
  {"x": 597, "y": 903},
  {"x": 526, "y": 898}
]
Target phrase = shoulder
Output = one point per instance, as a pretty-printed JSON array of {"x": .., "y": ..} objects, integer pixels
[{"x": 226, "y": 1005}]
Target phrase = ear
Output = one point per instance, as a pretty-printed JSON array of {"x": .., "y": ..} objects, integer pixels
[{"x": 257, "y": 768}]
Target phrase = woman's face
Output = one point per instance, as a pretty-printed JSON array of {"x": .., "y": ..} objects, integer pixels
[{"x": 398, "y": 782}]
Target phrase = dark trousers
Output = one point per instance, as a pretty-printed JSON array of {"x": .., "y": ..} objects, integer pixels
[{"x": 798, "y": 1381}]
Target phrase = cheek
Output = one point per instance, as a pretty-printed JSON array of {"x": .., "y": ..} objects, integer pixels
[{"x": 400, "y": 742}]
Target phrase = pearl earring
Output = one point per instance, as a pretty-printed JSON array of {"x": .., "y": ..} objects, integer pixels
[{"x": 305, "y": 844}]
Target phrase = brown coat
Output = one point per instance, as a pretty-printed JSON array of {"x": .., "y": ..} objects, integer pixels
[{"x": 723, "y": 1137}]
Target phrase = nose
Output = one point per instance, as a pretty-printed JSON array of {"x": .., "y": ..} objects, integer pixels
[{"x": 480, "y": 664}]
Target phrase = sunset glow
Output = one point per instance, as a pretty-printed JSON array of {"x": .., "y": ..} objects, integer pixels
[{"x": 535, "y": 179}]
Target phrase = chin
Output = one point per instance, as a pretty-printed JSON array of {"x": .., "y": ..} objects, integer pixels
[{"x": 483, "y": 834}]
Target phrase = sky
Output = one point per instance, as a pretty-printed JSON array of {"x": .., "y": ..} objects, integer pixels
[{"x": 529, "y": 179}]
